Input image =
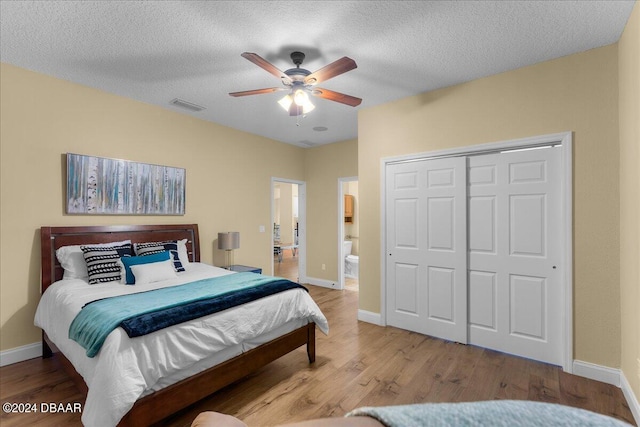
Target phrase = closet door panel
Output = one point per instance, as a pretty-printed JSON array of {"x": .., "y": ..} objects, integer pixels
[
  {"x": 426, "y": 236},
  {"x": 524, "y": 259}
]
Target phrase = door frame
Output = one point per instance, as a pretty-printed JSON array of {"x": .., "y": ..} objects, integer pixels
[
  {"x": 341, "y": 254},
  {"x": 302, "y": 224},
  {"x": 565, "y": 141}
]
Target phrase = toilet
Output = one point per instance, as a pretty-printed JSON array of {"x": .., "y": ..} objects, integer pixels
[{"x": 350, "y": 261}]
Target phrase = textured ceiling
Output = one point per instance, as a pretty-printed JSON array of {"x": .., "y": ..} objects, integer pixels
[{"x": 155, "y": 51}]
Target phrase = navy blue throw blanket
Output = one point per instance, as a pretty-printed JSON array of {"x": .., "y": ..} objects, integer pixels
[{"x": 151, "y": 322}]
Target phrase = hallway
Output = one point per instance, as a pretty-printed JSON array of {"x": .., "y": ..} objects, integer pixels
[{"x": 288, "y": 268}]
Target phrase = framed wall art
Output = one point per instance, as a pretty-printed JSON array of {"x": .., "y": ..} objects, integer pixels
[{"x": 98, "y": 185}]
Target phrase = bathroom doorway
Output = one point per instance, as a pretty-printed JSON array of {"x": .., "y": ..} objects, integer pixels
[
  {"x": 349, "y": 242},
  {"x": 287, "y": 227}
]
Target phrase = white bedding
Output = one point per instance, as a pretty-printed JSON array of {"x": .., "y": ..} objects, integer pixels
[{"x": 126, "y": 368}]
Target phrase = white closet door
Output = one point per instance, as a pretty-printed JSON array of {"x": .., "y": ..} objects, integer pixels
[
  {"x": 515, "y": 291},
  {"x": 427, "y": 247}
]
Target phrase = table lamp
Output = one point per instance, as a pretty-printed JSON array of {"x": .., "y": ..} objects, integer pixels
[{"x": 228, "y": 242}]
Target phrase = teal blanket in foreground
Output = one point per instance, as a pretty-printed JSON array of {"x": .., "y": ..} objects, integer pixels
[
  {"x": 507, "y": 413},
  {"x": 97, "y": 319}
]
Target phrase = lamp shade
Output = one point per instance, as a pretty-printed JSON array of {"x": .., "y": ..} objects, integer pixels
[
  {"x": 228, "y": 241},
  {"x": 296, "y": 103}
]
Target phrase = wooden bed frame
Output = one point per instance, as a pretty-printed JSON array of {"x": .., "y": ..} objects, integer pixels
[{"x": 161, "y": 404}]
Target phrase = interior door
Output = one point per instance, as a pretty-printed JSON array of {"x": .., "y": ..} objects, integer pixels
[
  {"x": 427, "y": 247},
  {"x": 515, "y": 290}
]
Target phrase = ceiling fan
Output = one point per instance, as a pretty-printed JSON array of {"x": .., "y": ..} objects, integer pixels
[{"x": 300, "y": 83}]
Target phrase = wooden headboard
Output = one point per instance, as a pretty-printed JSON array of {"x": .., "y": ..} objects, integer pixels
[{"x": 52, "y": 238}]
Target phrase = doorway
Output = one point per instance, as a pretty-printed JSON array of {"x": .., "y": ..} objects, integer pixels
[
  {"x": 288, "y": 227},
  {"x": 348, "y": 233},
  {"x": 478, "y": 246}
]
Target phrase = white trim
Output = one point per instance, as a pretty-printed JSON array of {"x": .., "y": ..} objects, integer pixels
[
  {"x": 513, "y": 144},
  {"x": 341, "y": 254},
  {"x": 302, "y": 224},
  {"x": 567, "y": 213},
  {"x": 370, "y": 317},
  {"x": 340, "y": 234},
  {"x": 331, "y": 284},
  {"x": 20, "y": 354},
  {"x": 597, "y": 372},
  {"x": 383, "y": 242},
  {"x": 611, "y": 376},
  {"x": 564, "y": 139},
  {"x": 632, "y": 399}
]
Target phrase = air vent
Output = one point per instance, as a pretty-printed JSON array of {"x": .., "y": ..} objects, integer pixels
[
  {"x": 186, "y": 105},
  {"x": 307, "y": 143}
]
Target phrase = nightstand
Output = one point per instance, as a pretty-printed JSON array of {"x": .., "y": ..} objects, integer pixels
[{"x": 245, "y": 268}]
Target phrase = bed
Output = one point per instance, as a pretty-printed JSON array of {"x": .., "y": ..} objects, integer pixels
[{"x": 181, "y": 377}]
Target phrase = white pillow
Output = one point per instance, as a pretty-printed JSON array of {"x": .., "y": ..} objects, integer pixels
[
  {"x": 72, "y": 260},
  {"x": 154, "y": 272},
  {"x": 182, "y": 252}
]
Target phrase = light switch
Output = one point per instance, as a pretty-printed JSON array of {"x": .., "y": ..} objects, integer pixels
[{"x": 261, "y": 229}]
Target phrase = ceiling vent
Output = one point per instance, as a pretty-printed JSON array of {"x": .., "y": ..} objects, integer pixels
[{"x": 186, "y": 105}]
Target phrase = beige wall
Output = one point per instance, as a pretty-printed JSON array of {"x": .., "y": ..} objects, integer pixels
[
  {"x": 575, "y": 93},
  {"x": 323, "y": 166},
  {"x": 43, "y": 117},
  {"x": 629, "y": 70}
]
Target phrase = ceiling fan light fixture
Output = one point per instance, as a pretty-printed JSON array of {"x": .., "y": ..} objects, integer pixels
[
  {"x": 300, "y": 97},
  {"x": 286, "y": 102},
  {"x": 299, "y": 100},
  {"x": 308, "y": 107}
]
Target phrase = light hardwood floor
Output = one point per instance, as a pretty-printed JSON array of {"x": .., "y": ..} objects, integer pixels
[
  {"x": 358, "y": 364},
  {"x": 288, "y": 267}
]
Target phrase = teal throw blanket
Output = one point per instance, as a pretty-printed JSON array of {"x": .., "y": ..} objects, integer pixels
[{"x": 174, "y": 304}]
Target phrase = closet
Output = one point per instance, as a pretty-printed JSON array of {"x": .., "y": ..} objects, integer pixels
[{"x": 474, "y": 250}]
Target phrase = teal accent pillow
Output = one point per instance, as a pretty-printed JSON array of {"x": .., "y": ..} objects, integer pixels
[{"x": 137, "y": 260}]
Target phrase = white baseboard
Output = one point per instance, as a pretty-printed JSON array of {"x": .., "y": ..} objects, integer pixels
[
  {"x": 20, "y": 354},
  {"x": 320, "y": 282},
  {"x": 597, "y": 372},
  {"x": 370, "y": 317},
  {"x": 632, "y": 399},
  {"x": 610, "y": 376}
]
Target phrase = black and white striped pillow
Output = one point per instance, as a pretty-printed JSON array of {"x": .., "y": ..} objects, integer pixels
[
  {"x": 103, "y": 263},
  {"x": 150, "y": 248}
]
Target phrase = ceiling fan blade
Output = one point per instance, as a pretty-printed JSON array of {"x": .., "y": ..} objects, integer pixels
[
  {"x": 268, "y": 66},
  {"x": 336, "y": 96},
  {"x": 257, "y": 91},
  {"x": 336, "y": 68}
]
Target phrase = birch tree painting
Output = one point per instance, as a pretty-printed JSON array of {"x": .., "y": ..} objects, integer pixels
[{"x": 97, "y": 185}]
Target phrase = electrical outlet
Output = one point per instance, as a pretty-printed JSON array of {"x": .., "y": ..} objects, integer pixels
[{"x": 324, "y": 267}]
